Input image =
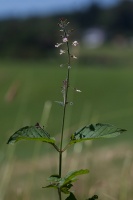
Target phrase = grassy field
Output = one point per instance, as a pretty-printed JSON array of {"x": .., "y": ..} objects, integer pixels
[{"x": 28, "y": 91}]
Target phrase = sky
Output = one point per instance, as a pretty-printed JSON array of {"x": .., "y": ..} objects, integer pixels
[{"x": 25, "y": 8}]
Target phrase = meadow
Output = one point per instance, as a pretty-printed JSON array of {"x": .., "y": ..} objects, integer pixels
[{"x": 28, "y": 91}]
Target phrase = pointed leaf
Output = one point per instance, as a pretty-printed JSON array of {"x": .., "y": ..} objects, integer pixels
[
  {"x": 54, "y": 178},
  {"x": 71, "y": 197},
  {"x": 31, "y": 133},
  {"x": 51, "y": 186},
  {"x": 64, "y": 184},
  {"x": 55, "y": 182},
  {"x": 71, "y": 177},
  {"x": 95, "y": 131}
]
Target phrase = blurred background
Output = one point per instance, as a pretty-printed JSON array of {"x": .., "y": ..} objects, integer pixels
[{"x": 31, "y": 80}]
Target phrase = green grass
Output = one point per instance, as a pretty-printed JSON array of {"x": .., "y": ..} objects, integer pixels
[
  {"x": 108, "y": 56},
  {"x": 106, "y": 97}
]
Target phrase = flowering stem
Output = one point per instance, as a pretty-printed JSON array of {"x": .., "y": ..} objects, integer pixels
[
  {"x": 66, "y": 86},
  {"x": 63, "y": 122}
]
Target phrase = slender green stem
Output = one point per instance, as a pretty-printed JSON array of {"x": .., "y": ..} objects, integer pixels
[
  {"x": 64, "y": 108},
  {"x": 57, "y": 149},
  {"x": 64, "y": 112},
  {"x": 59, "y": 193}
]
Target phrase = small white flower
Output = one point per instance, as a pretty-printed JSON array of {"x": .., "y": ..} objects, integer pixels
[
  {"x": 62, "y": 51},
  {"x": 75, "y": 43},
  {"x": 58, "y": 44},
  {"x": 78, "y": 90},
  {"x": 61, "y": 65},
  {"x": 73, "y": 56},
  {"x": 65, "y": 39}
]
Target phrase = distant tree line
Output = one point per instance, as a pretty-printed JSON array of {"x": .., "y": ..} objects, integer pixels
[{"x": 34, "y": 37}]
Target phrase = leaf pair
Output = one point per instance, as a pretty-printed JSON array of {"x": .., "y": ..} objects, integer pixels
[
  {"x": 92, "y": 131},
  {"x": 65, "y": 184}
]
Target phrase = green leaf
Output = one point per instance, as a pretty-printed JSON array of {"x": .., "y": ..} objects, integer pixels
[
  {"x": 52, "y": 185},
  {"x": 64, "y": 184},
  {"x": 54, "y": 178},
  {"x": 31, "y": 133},
  {"x": 95, "y": 131},
  {"x": 54, "y": 181},
  {"x": 71, "y": 177},
  {"x": 71, "y": 197},
  {"x": 65, "y": 189}
]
